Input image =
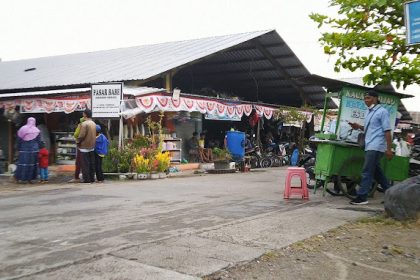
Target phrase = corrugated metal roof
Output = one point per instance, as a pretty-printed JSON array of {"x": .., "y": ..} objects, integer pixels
[
  {"x": 256, "y": 66},
  {"x": 124, "y": 64}
]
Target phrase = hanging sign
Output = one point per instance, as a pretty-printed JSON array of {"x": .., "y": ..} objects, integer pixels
[
  {"x": 217, "y": 117},
  {"x": 106, "y": 99},
  {"x": 353, "y": 109},
  {"x": 412, "y": 22}
]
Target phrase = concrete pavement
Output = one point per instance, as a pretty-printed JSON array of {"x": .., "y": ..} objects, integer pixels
[{"x": 174, "y": 228}]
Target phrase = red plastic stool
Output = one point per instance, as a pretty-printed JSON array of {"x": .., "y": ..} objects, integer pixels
[{"x": 302, "y": 189}]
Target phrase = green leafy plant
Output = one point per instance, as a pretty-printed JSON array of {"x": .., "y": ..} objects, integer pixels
[
  {"x": 110, "y": 161},
  {"x": 140, "y": 141},
  {"x": 296, "y": 115},
  {"x": 370, "y": 34},
  {"x": 221, "y": 154},
  {"x": 119, "y": 161},
  {"x": 137, "y": 152},
  {"x": 155, "y": 131}
]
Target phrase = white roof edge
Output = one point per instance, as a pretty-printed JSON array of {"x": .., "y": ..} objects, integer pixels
[
  {"x": 43, "y": 92},
  {"x": 135, "y": 91}
]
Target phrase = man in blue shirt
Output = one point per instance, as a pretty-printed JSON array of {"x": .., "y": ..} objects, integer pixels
[{"x": 378, "y": 142}]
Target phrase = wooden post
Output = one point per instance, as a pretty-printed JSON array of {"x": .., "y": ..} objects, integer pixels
[{"x": 168, "y": 82}]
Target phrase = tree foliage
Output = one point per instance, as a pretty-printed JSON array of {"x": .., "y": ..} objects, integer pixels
[{"x": 370, "y": 34}]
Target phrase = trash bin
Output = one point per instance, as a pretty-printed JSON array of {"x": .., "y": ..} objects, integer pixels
[{"x": 235, "y": 142}]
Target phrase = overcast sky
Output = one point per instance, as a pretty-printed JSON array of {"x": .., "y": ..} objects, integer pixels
[{"x": 35, "y": 28}]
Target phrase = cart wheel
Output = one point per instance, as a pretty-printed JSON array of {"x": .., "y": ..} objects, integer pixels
[
  {"x": 265, "y": 162},
  {"x": 333, "y": 188},
  {"x": 350, "y": 184},
  {"x": 310, "y": 177}
]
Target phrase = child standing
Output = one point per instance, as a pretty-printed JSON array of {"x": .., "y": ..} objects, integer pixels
[
  {"x": 101, "y": 149},
  {"x": 43, "y": 162}
]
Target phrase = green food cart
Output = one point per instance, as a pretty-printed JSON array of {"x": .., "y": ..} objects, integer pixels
[{"x": 339, "y": 159}]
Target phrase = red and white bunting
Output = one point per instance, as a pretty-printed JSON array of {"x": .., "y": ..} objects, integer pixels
[
  {"x": 48, "y": 105},
  {"x": 152, "y": 103}
]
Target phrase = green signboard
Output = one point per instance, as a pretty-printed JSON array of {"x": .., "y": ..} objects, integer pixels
[{"x": 353, "y": 109}]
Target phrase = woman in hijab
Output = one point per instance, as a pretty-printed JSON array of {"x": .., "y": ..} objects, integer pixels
[{"x": 28, "y": 141}]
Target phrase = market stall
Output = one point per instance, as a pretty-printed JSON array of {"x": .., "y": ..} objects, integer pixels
[
  {"x": 188, "y": 105},
  {"x": 339, "y": 158}
]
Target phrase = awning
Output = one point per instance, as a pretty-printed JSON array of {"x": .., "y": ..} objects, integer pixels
[
  {"x": 67, "y": 104},
  {"x": 192, "y": 103},
  {"x": 63, "y": 100},
  {"x": 143, "y": 100}
]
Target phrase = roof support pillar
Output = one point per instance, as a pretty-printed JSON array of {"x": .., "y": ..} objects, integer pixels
[{"x": 168, "y": 81}]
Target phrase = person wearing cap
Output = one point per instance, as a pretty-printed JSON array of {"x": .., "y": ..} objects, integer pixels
[
  {"x": 101, "y": 149},
  {"x": 378, "y": 142}
]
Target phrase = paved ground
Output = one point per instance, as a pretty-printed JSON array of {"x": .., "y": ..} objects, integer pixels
[{"x": 174, "y": 228}]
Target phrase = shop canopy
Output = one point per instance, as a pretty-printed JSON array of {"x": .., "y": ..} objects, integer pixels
[
  {"x": 137, "y": 100},
  {"x": 63, "y": 100},
  {"x": 223, "y": 108}
]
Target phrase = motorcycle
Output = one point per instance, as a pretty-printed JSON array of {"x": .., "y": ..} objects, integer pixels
[
  {"x": 284, "y": 155},
  {"x": 272, "y": 157},
  {"x": 255, "y": 155},
  {"x": 307, "y": 161}
]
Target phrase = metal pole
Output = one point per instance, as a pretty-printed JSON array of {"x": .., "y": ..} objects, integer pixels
[
  {"x": 121, "y": 129},
  {"x": 10, "y": 152},
  {"x": 120, "y": 134},
  {"x": 324, "y": 113}
]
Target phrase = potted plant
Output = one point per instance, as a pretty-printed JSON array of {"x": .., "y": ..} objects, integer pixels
[
  {"x": 142, "y": 166},
  {"x": 222, "y": 158},
  {"x": 163, "y": 162}
]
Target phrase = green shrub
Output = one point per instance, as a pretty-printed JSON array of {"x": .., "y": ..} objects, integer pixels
[
  {"x": 118, "y": 161},
  {"x": 221, "y": 154},
  {"x": 110, "y": 161}
]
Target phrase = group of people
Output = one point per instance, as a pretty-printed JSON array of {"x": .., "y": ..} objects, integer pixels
[
  {"x": 92, "y": 146},
  {"x": 197, "y": 146},
  {"x": 33, "y": 156}
]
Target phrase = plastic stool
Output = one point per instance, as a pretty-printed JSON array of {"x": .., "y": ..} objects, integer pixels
[{"x": 302, "y": 189}]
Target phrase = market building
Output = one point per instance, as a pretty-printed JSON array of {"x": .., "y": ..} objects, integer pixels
[{"x": 206, "y": 84}]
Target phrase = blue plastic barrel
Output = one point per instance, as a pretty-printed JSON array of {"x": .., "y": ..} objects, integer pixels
[{"x": 235, "y": 142}]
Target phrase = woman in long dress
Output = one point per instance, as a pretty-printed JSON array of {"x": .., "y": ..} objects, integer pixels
[{"x": 28, "y": 141}]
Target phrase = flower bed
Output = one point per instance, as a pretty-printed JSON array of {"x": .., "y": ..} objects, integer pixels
[{"x": 140, "y": 158}]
